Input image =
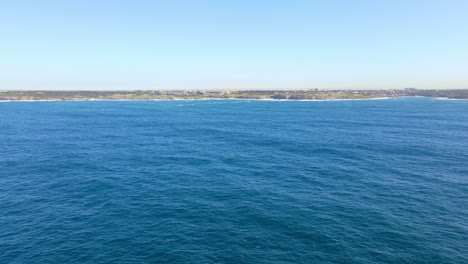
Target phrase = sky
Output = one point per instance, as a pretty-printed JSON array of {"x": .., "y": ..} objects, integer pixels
[{"x": 241, "y": 44}]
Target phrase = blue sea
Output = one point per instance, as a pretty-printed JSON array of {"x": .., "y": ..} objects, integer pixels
[{"x": 234, "y": 181}]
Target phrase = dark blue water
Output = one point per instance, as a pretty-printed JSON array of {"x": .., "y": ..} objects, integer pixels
[{"x": 378, "y": 181}]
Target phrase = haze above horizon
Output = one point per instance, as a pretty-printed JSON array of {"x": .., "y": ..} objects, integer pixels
[{"x": 131, "y": 45}]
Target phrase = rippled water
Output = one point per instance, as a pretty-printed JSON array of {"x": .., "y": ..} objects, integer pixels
[{"x": 230, "y": 181}]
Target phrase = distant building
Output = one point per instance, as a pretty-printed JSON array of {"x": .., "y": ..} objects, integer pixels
[{"x": 410, "y": 89}]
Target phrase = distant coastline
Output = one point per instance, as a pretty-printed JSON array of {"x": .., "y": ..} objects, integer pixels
[{"x": 274, "y": 95}]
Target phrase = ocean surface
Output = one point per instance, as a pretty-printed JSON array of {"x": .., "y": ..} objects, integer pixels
[{"x": 234, "y": 181}]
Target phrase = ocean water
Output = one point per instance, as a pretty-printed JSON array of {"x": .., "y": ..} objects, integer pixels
[{"x": 234, "y": 181}]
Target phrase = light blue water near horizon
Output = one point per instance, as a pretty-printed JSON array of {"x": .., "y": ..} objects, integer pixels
[{"x": 234, "y": 181}]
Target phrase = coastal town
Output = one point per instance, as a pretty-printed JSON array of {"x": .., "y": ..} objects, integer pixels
[{"x": 308, "y": 94}]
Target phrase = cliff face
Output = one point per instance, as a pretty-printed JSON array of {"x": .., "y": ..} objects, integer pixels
[{"x": 455, "y": 94}]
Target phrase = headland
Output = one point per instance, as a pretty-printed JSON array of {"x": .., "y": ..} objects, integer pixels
[{"x": 309, "y": 94}]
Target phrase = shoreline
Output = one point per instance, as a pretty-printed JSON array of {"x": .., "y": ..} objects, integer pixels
[
  {"x": 226, "y": 99},
  {"x": 202, "y": 99},
  {"x": 231, "y": 99}
]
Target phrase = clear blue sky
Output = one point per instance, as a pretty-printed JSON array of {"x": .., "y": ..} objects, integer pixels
[{"x": 174, "y": 44}]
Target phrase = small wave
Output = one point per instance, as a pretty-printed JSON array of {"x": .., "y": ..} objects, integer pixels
[
  {"x": 321, "y": 100},
  {"x": 7, "y": 101},
  {"x": 449, "y": 99}
]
